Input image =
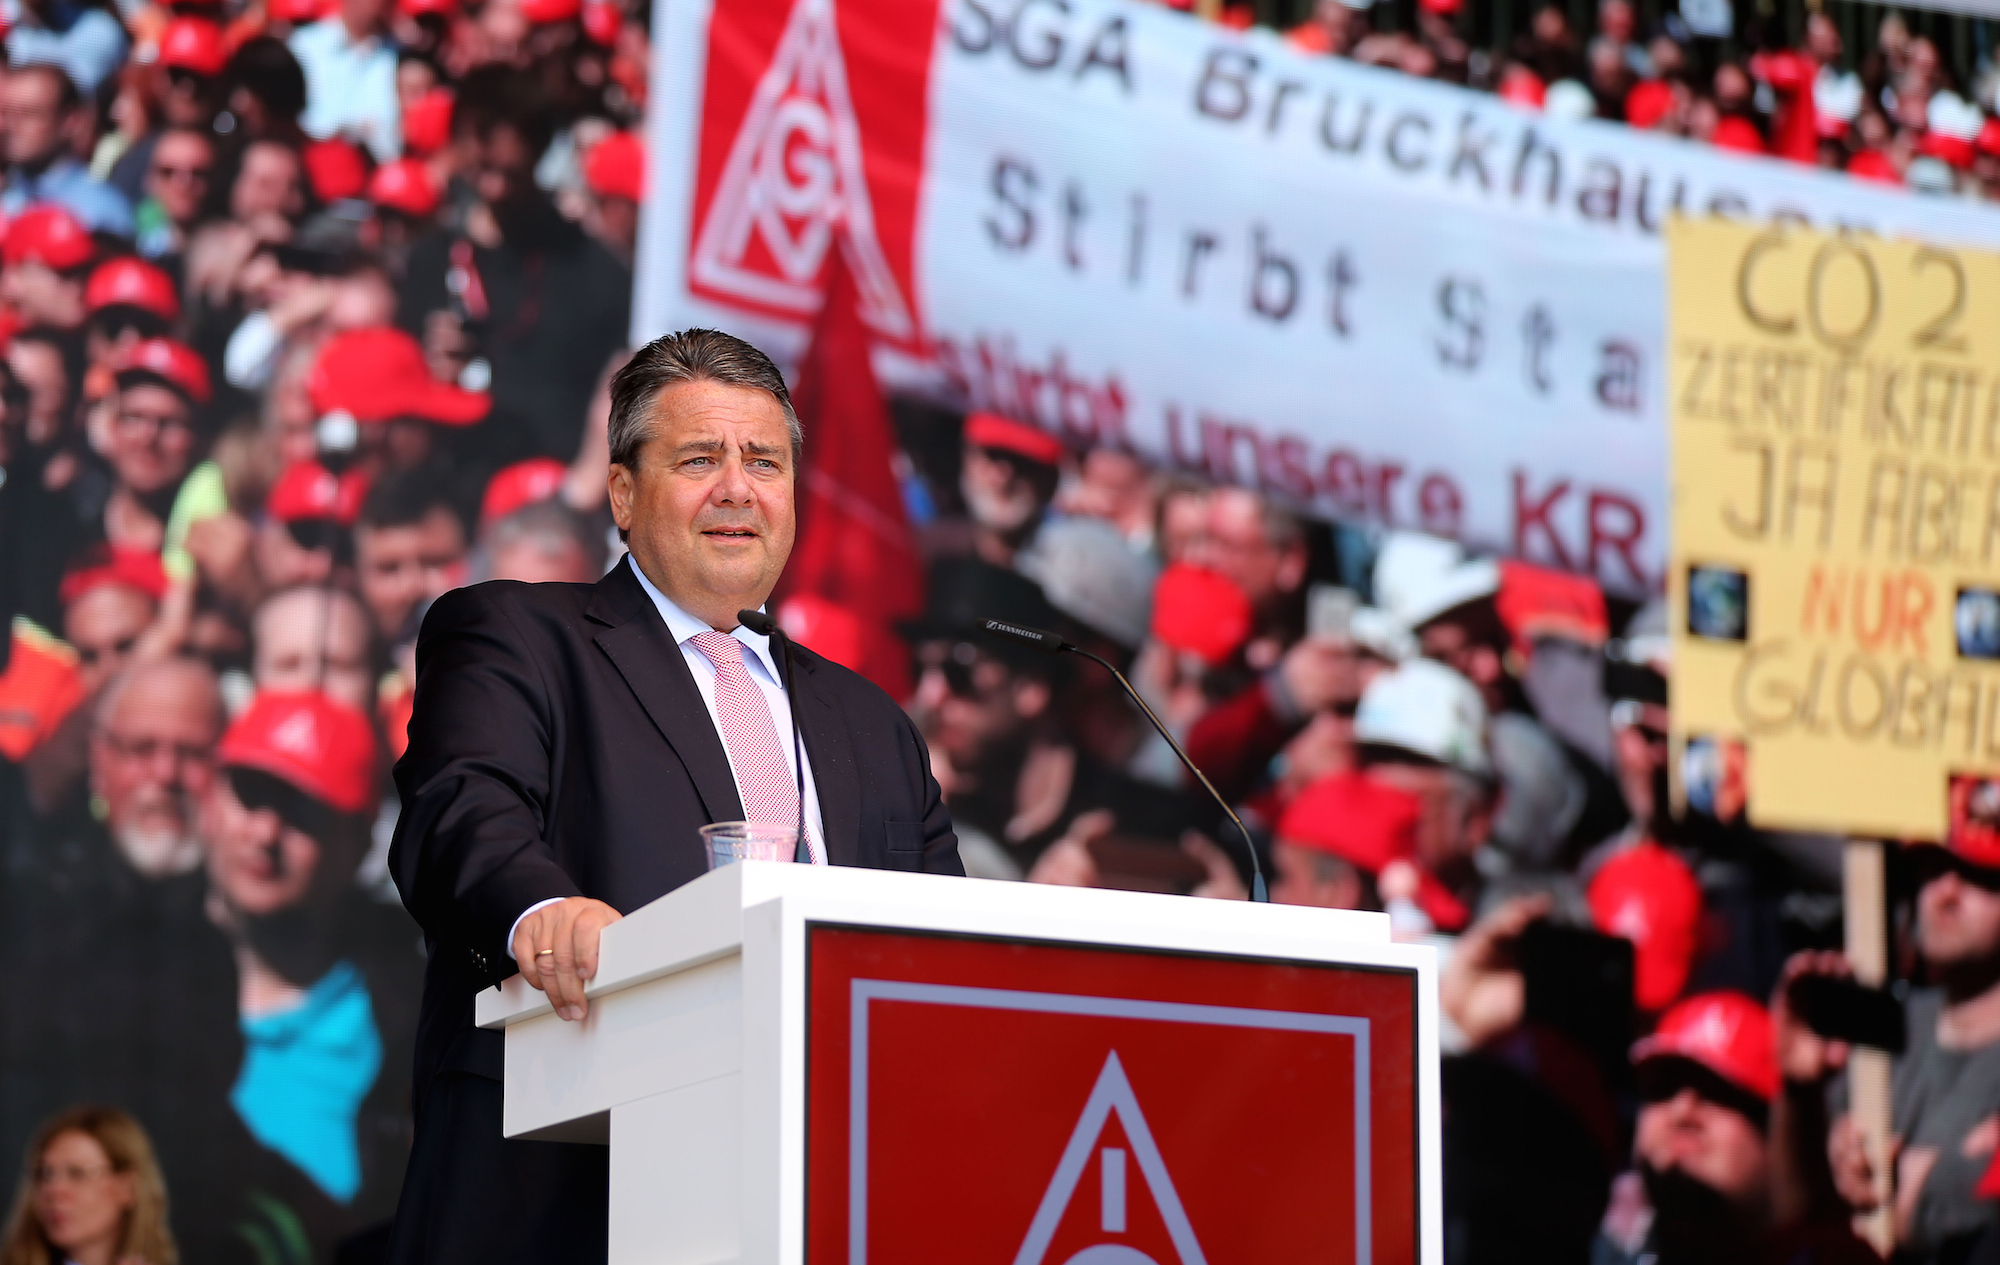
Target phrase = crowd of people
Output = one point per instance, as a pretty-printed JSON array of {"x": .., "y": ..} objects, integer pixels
[
  {"x": 1894, "y": 113},
  {"x": 307, "y": 314}
]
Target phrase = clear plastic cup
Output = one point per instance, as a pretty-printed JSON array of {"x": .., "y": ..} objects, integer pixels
[{"x": 731, "y": 841}]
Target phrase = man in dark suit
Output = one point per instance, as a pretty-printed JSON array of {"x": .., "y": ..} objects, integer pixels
[{"x": 568, "y": 742}]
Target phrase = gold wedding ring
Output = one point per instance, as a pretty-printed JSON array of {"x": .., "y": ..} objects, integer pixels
[{"x": 542, "y": 953}]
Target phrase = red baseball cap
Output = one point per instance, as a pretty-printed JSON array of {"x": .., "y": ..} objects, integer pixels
[
  {"x": 132, "y": 282},
  {"x": 336, "y": 169},
  {"x": 1649, "y": 896},
  {"x": 324, "y": 748},
  {"x": 405, "y": 185},
  {"x": 1522, "y": 87},
  {"x": 427, "y": 123},
  {"x": 1201, "y": 612},
  {"x": 308, "y": 490},
  {"x": 194, "y": 45},
  {"x": 1787, "y": 70},
  {"x": 427, "y": 8},
  {"x": 173, "y": 364},
  {"x": 990, "y": 430},
  {"x": 1739, "y": 134},
  {"x": 139, "y": 569},
  {"x": 1649, "y": 101},
  {"x": 523, "y": 483},
  {"x": 379, "y": 374},
  {"x": 1534, "y": 602},
  {"x": 543, "y": 12},
  {"x": 602, "y": 21},
  {"x": 1873, "y": 164},
  {"x": 1727, "y": 1033},
  {"x": 1988, "y": 140},
  {"x": 616, "y": 167},
  {"x": 1955, "y": 150},
  {"x": 298, "y": 12},
  {"x": 1363, "y": 822},
  {"x": 48, "y": 235}
]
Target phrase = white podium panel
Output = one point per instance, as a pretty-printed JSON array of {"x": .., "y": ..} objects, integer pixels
[{"x": 798, "y": 1065}]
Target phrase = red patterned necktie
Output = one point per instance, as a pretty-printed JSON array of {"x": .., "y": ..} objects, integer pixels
[{"x": 770, "y": 792}]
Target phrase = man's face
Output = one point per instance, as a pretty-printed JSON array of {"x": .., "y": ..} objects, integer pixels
[
  {"x": 1958, "y": 923},
  {"x": 1716, "y": 1145},
  {"x": 31, "y": 106},
  {"x": 267, "y": 185},
  {"x": 150, "y": 759},
  {"x": 542, "y": 559},
  {"x": 506, "y": 166},
  {"x": 1310, "y": 877},
  {"x": 259, "y": 864},
  {"x": 1455, "y": 818},
  {"x": 1639, "y": 744},
  {"x": 709, "y": 508},
  {"x": 178, "y": 178},
  {"x": 362, "y": 16},
  {"x": 970, "y": 706},
  {"x": 152, "y": 438},
  {"x": 42, "y": 295},
  {"x": 103, "y": 625},
  {"x": 997, "y": 493},
  {"x": 1236, "y": 544},
  {"x": 310, "y": 640},
  {"x": 401, "y": 567}
]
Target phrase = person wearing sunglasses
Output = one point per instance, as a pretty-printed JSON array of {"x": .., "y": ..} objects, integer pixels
[{"x": 326, "y": 979}]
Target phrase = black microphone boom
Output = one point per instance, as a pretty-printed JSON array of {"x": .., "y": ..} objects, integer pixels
[
  {"x": 764, "y": 626},
  {"x": 1052, "y": 643}
]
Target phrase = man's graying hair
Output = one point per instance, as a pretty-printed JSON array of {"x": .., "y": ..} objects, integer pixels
[{"x": 693, "y": 355}]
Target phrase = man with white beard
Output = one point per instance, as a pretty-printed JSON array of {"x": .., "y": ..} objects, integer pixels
[{"x": 150, "y": 753}]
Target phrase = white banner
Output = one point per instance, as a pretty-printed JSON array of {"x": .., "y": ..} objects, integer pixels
[{"x": 1378, "y": 297}]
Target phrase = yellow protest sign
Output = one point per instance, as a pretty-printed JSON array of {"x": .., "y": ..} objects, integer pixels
[{"x": 1835, "y": 577}]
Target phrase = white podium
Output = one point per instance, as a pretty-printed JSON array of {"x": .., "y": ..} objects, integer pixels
[{"x": 796, "y": 1065}]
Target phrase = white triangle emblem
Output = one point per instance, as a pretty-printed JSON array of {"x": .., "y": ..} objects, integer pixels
[
  {"x": 795, "y": 181},
  {"x": 1111, "y": 1093}
]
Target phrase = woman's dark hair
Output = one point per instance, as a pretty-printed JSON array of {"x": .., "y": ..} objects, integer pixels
[{"x": 266, "y": 69}]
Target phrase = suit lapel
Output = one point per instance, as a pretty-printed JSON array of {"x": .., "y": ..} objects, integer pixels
[
  {"x": 836, "y": 779},
  {"x": 638, "y": 644}
]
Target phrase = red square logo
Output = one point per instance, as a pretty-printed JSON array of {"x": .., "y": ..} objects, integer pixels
[{"x": 995, "y": 1102}]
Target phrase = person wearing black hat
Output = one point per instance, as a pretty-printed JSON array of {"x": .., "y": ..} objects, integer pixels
[{"x": 1017, "y": 780}]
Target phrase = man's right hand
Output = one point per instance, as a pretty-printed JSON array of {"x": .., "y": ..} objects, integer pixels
[{"x": 556, "y": 949}]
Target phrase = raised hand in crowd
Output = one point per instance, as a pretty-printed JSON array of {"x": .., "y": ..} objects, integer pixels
[{"x": 1482, "y": 988}]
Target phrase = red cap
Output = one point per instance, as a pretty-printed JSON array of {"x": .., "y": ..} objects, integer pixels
[
  {"x": 1955, "y": 150},
  {"x": 543, "y": 12},
  {"x": 110, "y": 564},
  {"x": 1726, "y": 1033},
  {"x": 427, "y": 123},
  {"x": 1873, "y": 164},
  {"x": 379, "y": 374},
  {"x": 1443, "y": 8},
  {"x": 131, "y": 282},
  {"x": 1365, "y": 823},
  {"x": 307, "y": 490},
  {"x": 336, "y": 169},
  {"x": 1649, "y": 896},
  {"x": 405, "y": 185},
  {"x": 523, "y": 483},
  {"x": 297, "y": 12},
  {"x": 1988, "y": 140},
  {"x": 1522, "y": 87},
  {"x": 427, "y": 8},
  {"x": 324, "y": 748},
  {"x": 616, "y": 167},
  {"x": 174, "y": 364},
  {"x": 1786, "y": 70},
  {"x": 48, "y": 234},
  {"x": 602, "y": 21},
  {"x": 1649, "y": 101},
  {"x": 1739, "y": 134},
  {"x": 1536, "y": 602},
  {"x": 1201, "y": 612},
  {"x": 990, "y": 430},
  {"x": 194, "y": 45}
]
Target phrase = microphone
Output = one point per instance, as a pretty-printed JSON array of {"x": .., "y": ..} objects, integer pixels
[
  {"x": 1052, "y": 643},
  {"x": 765, "y": 626}
]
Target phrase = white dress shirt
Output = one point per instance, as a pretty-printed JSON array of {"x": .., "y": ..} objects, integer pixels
[
  {"x": 350, "y": 87},
  {"x": 684, "y": 628}
]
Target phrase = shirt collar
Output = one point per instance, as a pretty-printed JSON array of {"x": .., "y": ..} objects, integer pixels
[{"x": 682, "y": 626}]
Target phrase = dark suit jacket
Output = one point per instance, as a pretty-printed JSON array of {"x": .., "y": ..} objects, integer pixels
[{"x": 560, "y": 747}]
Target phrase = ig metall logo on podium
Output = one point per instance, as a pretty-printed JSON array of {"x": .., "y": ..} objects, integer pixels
[{"x": 999, "y": 1102}]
